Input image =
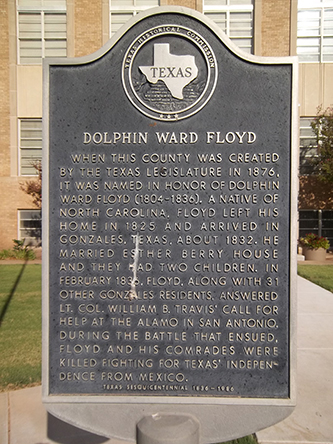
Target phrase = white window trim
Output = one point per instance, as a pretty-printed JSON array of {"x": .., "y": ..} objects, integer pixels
[
  {"x": 308, "y": 118},
  {"x": 129, "y": 9},
  {"x": 228, "y": 9},
  {"x": 313, "y": 146},
  {"x": 38, "y": 10},
  {"x": 20, "y": 149},
  {"x": 19, "y": 222},
  {"x": 324, "y": 4}
]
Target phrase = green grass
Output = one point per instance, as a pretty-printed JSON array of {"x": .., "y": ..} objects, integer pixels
[
  {"x": 321, "y": 275},
  {"x": 251, "y": 439},
  {"x": 20, "y": 328}
]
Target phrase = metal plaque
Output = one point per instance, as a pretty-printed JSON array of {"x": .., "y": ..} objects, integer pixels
[{"x": 169, "y": 221}]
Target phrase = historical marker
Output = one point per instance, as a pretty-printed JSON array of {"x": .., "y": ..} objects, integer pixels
[{"x": 169, "y": 236}]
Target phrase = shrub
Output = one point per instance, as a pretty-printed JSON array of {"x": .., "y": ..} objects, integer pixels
[
  {"x": 314, "y": 242},
  {"x": 19, "y": 251},
  {"x": 322, "y": 126}
]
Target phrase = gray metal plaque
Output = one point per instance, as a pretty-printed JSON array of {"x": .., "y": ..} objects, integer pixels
[{"x": 169, "y": 233}]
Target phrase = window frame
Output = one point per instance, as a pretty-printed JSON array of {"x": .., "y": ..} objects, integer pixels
[
  {"x": 21, "y": 148},
  {"x": 229, "y": 9},
  {"x": 312, "y": 146},
  {"x": 308, "y": 6},
  {"x": 126, "y": 9},
  {"x": 43, "y": 9},
  {"x": 29, "y": 240}
]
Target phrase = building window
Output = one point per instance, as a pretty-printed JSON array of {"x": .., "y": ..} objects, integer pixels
[
  {"x": 235, "y": 18},
  {"x": 315, "y": 31},
  {"x": 308, "y": 147},
  {"x": 30, "y": 146},
  {"x": 42, "y": 30},
  {"x": 30, "y": 226},
  {"x": 122, "y": 10}
]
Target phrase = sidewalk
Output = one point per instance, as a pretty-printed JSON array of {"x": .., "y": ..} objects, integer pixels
[
  {"x": 23, "y": 419},
  {"x": 312, "y": 419}
]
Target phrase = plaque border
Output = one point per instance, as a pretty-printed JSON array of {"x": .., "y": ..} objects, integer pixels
[{"x": 218, "y": 416}]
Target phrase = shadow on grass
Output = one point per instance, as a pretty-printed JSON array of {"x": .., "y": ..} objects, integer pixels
[{"x": 12, "y": 292}]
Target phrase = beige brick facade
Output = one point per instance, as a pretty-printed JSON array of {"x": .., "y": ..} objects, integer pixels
[
  {"x": 88, "y": 36},
  {"x": 12, "y": 199},
  {"x": 275, "y": 35},
  {"x": 4, "y": 92},
  {"x": 187, "y": 3}
]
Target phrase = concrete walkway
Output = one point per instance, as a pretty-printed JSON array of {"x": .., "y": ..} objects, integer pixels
[
  {"x": 23, "y": 419},
  {"x": 312, "y": 419}
]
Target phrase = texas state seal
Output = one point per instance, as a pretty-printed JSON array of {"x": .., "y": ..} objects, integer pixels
[{"x": 169, "y": 72}]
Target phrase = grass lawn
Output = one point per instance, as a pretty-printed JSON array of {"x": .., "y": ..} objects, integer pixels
[
  {"x": 20, "y": 326},
  {"x": 321, "y": 275},
  {"x": 251, "y": 439}
]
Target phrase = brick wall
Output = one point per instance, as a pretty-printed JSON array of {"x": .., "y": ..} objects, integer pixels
[
  {"x": 7, "y": 223},
  {"x": 186, "y": 3},
  {"x": 11, "y": 193},
  {"x": 87, "y": 27},
  {"x": 12, "y": 198},
  {"x": 4, "y": 92},
  {"x": 275, "y": 29}
]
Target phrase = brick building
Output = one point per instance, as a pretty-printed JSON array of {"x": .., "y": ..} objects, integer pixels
[{"x": 33, "y": 29}]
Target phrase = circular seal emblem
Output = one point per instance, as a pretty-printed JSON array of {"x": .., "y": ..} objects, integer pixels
[{"x": 169, "y": 72}]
